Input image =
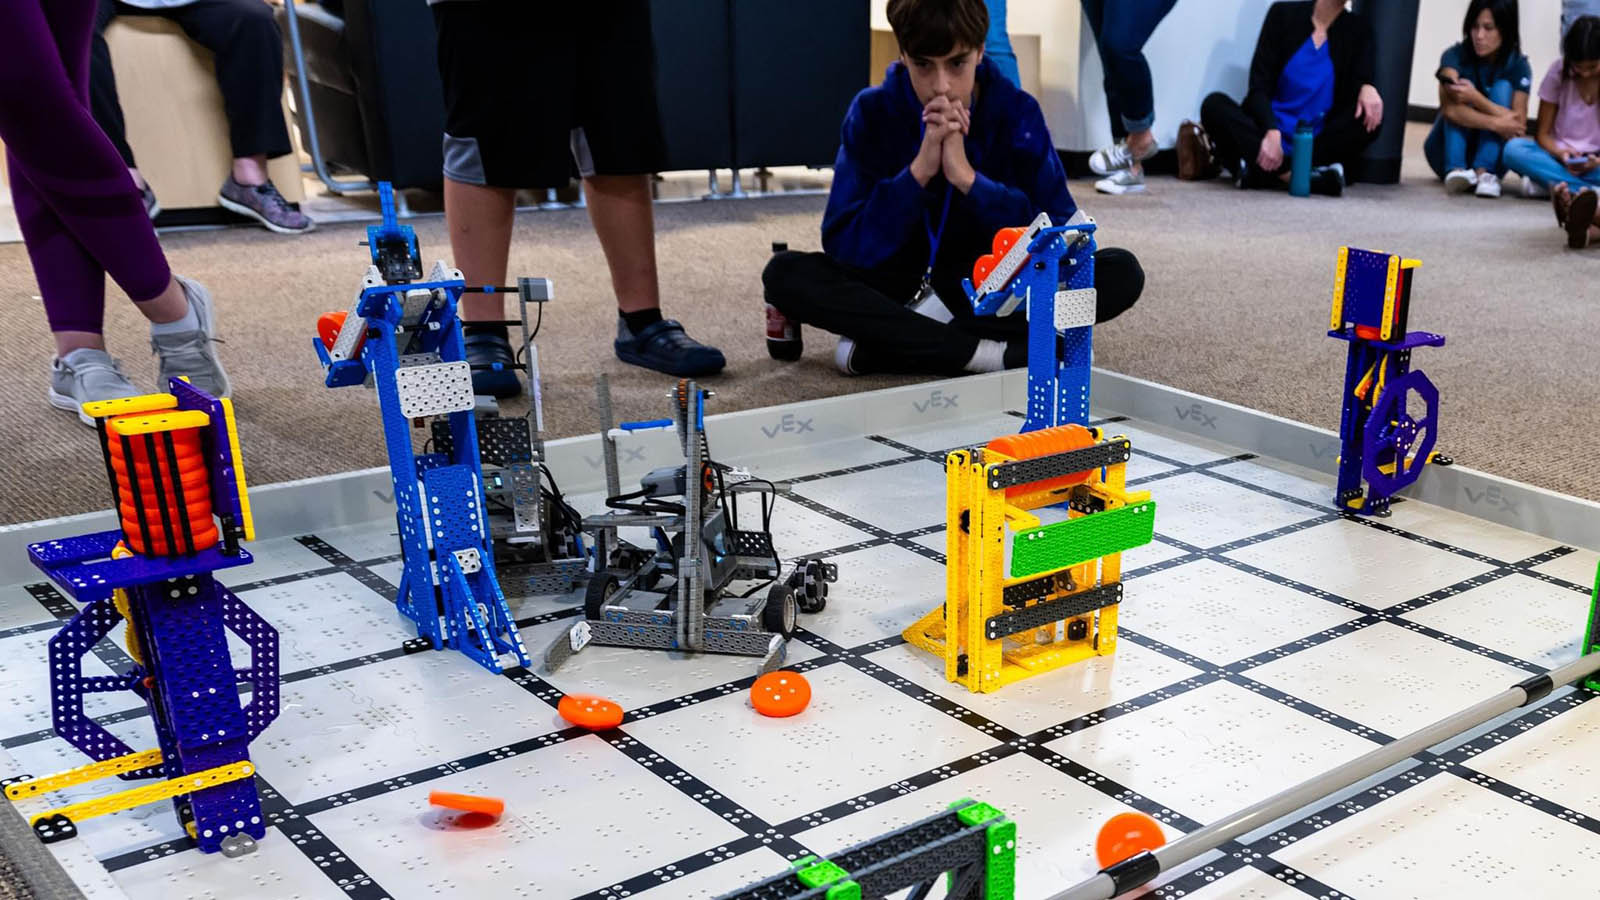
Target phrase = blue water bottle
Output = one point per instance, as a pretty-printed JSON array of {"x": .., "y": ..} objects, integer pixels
[{"x": 1300, "y": 174}]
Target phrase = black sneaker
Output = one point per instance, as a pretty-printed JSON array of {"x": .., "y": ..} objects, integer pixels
[
  {"x": 665, "y": 347},
  {"x": 494, "y": 372}
]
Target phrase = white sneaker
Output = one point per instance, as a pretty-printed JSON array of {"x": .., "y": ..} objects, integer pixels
[
  {"x": 191, "y": 353},
  {"x": 1116, "y": 158},
  {"x": 1126, "y": 181},
  {"x": 84, "y": 376},
  {"x": 1459, "y": 181},
  {"x": 1488, "y": 185},
  {"x": 1533, "y": 190},
  {"x": 842, "y": 355}
]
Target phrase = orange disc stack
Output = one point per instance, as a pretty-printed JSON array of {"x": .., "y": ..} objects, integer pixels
[
  {"x": 1044, "y": 442},
  {"x": 163, "y": 490},
  {"x": 1004, "y": 240}
]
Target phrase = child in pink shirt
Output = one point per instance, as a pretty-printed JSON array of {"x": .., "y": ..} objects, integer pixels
[{"x": 1565, "y": 155}]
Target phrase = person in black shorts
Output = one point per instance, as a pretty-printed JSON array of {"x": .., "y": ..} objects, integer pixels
[{"x": 535, "y": 94}]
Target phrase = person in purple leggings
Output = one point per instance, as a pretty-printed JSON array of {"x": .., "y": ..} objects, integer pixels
[{"x": 82, "y": 218}]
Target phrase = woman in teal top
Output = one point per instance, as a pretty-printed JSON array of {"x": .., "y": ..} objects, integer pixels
[{"x": 1483, "y": 100}]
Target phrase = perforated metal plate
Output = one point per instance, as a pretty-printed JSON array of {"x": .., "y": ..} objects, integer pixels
[
  {"x": 434, "y": 390},
  {"x": 1075, "y": 309},
  {"x": 1043, "y": 468}
]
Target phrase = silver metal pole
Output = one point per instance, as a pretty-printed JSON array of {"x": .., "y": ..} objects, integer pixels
[
  {"x": 313, "y": 144},
  {"x": 1143, "y": 868},
  {"x": 691, "y": 593}
]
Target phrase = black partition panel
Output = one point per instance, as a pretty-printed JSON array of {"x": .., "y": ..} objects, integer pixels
[
  {"x": 694, "y": 81},
  {"x": 796, "y": 67},
  {"x": 1395, "y": 24}
]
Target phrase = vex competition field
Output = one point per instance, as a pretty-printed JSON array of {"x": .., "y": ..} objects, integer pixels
[{"x": 1264, "y": 637}]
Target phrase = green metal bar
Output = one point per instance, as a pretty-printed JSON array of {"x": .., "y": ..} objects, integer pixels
[{"x": 1062, "y": 544}]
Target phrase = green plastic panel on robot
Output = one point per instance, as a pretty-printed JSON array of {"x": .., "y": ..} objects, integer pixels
[{"x": 1062, "y": 544}]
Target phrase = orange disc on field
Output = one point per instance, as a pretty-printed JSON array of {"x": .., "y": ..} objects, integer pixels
[
  {"x": 780, "y": 694},
  {"x": 472, "y": 803},
  {"x": 328, "y": 325},
  {"x": 589, "y": 711},
  {"x": 1124, "y": 835}
]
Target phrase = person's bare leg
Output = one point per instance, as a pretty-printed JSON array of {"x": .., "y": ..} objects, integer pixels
[
  {"x": 250, "y": 170},
  {"x": 480, "y": 220},
  {"x": 170, "y": 306},
  {"x": 622, "y": 211},
  {"x": 1140, "y": 144}
]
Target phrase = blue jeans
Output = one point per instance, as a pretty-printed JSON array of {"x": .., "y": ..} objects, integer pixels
[
  {"x": 1121, "y": 28},
  {"x": 1525, "y": 157},
  {"x": 997, "y": 46},
  {"x": 1450, "y": 146}
]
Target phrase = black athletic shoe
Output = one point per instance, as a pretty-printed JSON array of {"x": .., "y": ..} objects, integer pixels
[
  {"x": 665, "y": 347},
  {"x": 493, "y": 351}
]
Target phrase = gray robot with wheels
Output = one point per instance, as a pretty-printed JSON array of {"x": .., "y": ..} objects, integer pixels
[{"x": 681, "y": 594}]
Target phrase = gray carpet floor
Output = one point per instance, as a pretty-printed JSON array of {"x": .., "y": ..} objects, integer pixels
[{"x": 1235, "y": 307}]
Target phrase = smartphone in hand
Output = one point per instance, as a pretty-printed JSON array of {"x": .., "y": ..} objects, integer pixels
[{"x": 1444, "y": 79}]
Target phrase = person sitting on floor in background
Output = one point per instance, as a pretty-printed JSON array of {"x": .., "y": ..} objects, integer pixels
[
  {"x": 1565, "y": 153},
  {"x": 244, "y": 39},
  {"x": 1313, "y": 63},
  {"x": 1483, "y": 101},
  {"x": 932, "y": 162}
]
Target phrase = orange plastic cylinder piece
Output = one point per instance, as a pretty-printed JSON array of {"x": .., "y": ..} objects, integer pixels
[
  {"x": 472, "y": 803},
  {"x": 780, "y": 694},
  {"x": 328, "y": 325},
  {"x": 1124, "y": 835},
  {"x": 1044, "y": 442},
  {"x": 589, "y": 711}
]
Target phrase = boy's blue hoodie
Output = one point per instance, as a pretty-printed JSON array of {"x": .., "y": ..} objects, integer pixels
[{"x": 879, "y": 218}]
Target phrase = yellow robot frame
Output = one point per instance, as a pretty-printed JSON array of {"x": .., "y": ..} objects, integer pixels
[{"x": 1057, "y": 604}]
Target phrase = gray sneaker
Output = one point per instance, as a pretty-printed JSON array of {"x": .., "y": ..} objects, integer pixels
[
  {"x": 84, "y": 376},
  {"x": 263, "y": 203},
  {"x": 191, "y": 353}
]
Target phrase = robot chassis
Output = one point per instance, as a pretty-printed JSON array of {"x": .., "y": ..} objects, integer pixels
[
  {"x": 177, "y": 480},
  {"x": 402, "y": 336},
  {"x": 698, "y": 498}
]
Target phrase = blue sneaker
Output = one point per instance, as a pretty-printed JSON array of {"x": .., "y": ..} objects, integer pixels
[
  {"x": 666, "y": 348},
  {"x": 493, "y": 351}
]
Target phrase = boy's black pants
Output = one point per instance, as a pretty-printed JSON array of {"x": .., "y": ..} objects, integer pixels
[{"x": 815, "y": 289}]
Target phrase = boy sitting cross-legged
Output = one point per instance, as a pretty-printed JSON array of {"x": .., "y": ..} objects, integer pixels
[{"x": 931, "y": 164}]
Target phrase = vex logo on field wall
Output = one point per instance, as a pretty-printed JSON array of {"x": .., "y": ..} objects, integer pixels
[
  {"x": 1494, "y": 498},
  {"x": 938, "y": 399},
  {"x": 789, "y": 424},
  {"x": 1197, "y": 414}
]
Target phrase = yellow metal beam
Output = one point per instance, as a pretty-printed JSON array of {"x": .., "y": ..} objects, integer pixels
[
  {"x": 150, "y": 793},
  {"x": 83, "y": 774}
]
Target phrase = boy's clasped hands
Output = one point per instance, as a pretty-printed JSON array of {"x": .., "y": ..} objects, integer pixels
[{"x": 946, "y": 123}]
